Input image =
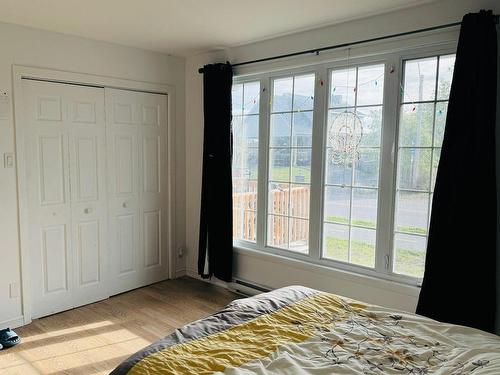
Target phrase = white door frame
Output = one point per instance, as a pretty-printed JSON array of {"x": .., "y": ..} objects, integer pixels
[{"x": 26, "y": 72}]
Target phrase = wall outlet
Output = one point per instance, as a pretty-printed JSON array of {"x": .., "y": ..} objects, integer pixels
[{"x": 14, "y": 290}]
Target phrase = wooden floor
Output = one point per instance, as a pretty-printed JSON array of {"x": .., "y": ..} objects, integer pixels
[{"x": 93, "y": 339}]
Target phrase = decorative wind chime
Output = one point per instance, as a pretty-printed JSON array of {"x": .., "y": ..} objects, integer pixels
[{"x": 345, "y": 131}]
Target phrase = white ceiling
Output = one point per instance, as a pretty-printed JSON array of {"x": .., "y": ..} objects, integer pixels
[{"x": 186, "y": 27}]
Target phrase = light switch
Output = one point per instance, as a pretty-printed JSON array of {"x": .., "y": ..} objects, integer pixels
[
  {"x": 14, "y": 290},
  {"x": 4, "y": 105},
  {"x": 8, "y": 160}
]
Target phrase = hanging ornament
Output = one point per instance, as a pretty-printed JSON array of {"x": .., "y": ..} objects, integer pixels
[
  {"x": 345, "y": 132},
  {"x": 344, "y": 136}
]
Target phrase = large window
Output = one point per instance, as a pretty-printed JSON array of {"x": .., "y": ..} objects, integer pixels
[
  {"x": 246, "y": 99},
  {"x": 290, "y": 141},
  {"x": 352, "y": 164},
  {"x": 425, "y": 91},
  {"x": 347, "y": 161}
]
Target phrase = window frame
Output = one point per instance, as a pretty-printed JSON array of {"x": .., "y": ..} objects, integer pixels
[{"x": 386, "y": 203}]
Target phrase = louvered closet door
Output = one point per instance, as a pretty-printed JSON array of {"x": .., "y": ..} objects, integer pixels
[
  {"x": 65, "y": 165},
  {"x": 137, "y": 187}
]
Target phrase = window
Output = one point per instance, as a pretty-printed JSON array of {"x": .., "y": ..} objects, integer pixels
[
  {"x": 352, "y": 164},
  {"x": 422, "y": 116},
  {"x": 347, "y": 161},
  {"x": 245, "y": 126},
  {"x": 290, "y": 141}
]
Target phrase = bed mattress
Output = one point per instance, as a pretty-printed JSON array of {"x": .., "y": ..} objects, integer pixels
[{"x": 297, "y": 330}]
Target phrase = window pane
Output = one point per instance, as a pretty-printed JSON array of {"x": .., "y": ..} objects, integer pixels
[
  {"x": 301, "y": 165},
  {"x": 299, "y": 235},
  {"x": 279, "y": 198},
  {"x": 251, "y": 95},
  {"x": 337, "y": 204},
  {"x": 338, "y": 173},
  {"x": 244, "y": 209},
  {"x": 363, "y": 247},
  {"x": 237, "y": 99},
  {"x": 303, "y": 93},
  {"x": 302, "y": 129},
  {"x": 446, "y": 66},
  {"x": 420, "y": 80},
  {"x": 436, "y": 155},
  {"x": 441, "y": 111},
  {"x": 336, "y": 242},
  {"x": 299, "y": 201},
  {"x": 245, "y": 160},
  {"x": 366, "y": 167},
  {"x": 250, "y": 131},
  {"x": 414, "y": 168},
  {"x": 421, "y": 131},
  {"x": 409, "y": 257},
  {"x": 290, "y": 161},
  {"x": 281, "y": 124},
  {"x": 282, "y": 94},
  {"x": 371, "y": 117},
  {"x": 370, "y": 88},
  {"x": 279, "y": 160},
  {"x": 412, "y": 212},
  {"x": 277, "y": 232},
  {"x": 364, "y": 207},
  {"x": 416, "y": 124},
  {"x": 342, "y": 90}
]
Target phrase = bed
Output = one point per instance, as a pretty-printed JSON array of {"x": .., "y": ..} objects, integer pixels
[{"x": 297, "y": 330}]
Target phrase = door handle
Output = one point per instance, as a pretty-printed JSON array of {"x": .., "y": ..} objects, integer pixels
[
  {"x": 124, "y": 204},
  {"x": 87, "y": 210}
]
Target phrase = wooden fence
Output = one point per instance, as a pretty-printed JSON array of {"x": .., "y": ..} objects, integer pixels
[{"x": 293, "y": 202}]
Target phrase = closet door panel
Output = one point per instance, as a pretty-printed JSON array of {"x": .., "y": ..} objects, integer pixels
[
  {"x": 49, "y": 239},
  {"x": 137, "y": 133},
  {"x": 87, "y": 133}
]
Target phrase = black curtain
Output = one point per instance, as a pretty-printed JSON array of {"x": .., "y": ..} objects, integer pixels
[
  {"x": 216, "y": 216},
  {"x": 460, "y": 268}
]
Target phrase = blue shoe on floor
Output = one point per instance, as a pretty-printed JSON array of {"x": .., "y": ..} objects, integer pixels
[{"x": 8, "y": 338}]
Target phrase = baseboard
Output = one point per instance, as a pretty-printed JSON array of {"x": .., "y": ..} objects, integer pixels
[
  {"x": 180, "y": 273},
  {"x": 239, "y": 286},
  {"x": 12, "y": 323}
]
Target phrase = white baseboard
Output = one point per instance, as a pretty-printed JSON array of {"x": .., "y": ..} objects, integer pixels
[
  {"x": 234, "y": 287},
  {"x": 12, "y": 323},
  {"x": 180, "y": 273}
]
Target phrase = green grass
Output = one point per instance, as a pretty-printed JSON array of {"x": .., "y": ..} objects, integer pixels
[
  {"x": 343, "y": 220},
  {"x": 371, "y": 224},
  {"x": 414, "y": 230},
  {"x": 408, "y": 262},
  {"x": 285, "y": 174}
]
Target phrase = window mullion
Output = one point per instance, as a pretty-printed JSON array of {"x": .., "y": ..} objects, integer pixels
[
  {"x": 263, "y": 162},
  {"x": 387, "y": 177},
  {"x": 317, "y": 169}
]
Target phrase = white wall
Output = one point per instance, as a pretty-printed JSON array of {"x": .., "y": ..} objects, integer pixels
[
  {"x": 266, "y": 269},
  {"x": 25, "y": 46}
]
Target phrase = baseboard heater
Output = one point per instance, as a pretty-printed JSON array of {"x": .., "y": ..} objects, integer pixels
[{"x": 248, "y": 288}]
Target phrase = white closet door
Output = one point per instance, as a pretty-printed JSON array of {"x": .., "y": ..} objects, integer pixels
[
  {"x": 87, "y": 154},
  {"x": 137, "y": 187},
  {"x": 65, "y": 171}
]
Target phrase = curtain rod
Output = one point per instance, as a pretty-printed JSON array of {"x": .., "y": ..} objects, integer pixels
[{"x": 343, "y": 45}]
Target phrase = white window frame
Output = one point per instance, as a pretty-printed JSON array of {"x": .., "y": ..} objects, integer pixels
[{"x": 393, "y": 60}]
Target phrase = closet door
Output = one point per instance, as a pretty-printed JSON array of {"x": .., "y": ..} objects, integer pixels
[
  {"x": 137, "y": 187},
  {"x": 87, "y": 155},
  {"x": 67, "y": 217}
]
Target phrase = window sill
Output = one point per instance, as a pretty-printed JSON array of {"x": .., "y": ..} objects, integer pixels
[{"x": 410, "y": 287}]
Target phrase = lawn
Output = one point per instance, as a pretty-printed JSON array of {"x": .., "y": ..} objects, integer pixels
[
  {"x": 371, "y": 224},
  {"x": 408, "y": 262}
]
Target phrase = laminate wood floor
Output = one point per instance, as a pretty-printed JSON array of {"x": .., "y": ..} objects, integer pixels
[{"x": 94, "y": 339}]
